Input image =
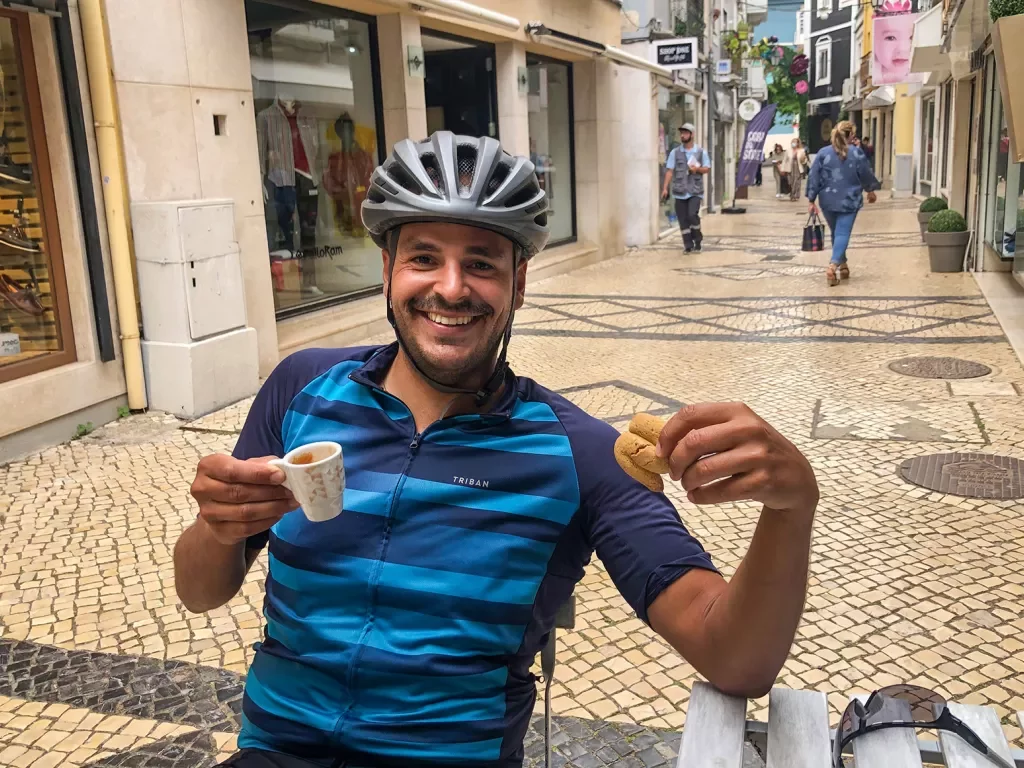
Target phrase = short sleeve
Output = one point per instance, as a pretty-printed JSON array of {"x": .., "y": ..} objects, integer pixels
[
  {"x": 670, "y": 162},
  {"x": 706, "y": 162},
  {"x": 261, "y": 434},
  {"x": 636, "y": 533}
]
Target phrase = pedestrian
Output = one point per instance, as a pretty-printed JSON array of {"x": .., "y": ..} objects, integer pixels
[
  {"x": 776, "y": 157},
  {"x": 795, "y": 164},
  {"x": 685, "y": 170},
  {"x": 758, "y": 179},
  {"x": 401, "y": 632},
  {"x": 869, "y": 150},
  {"x": 839, "y": 177}
]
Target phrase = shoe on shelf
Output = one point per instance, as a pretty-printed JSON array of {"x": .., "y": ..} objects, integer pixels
[
  {"x": 14, "y": 237},
  {"x": 19, "y": 297},
  {"x": 9, "y": 170}
]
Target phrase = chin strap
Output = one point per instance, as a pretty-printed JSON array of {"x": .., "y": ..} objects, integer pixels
[{"x": 495, "y": 380}]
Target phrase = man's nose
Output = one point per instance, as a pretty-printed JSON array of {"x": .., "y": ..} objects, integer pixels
[{"x": 451, "y": 284}]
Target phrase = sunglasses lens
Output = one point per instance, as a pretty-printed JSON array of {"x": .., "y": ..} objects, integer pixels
[{"x": 924, "y": 705}]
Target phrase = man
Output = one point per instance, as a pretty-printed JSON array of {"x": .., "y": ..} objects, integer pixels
[
  {"x": 401, "y": 632},
  {"x": 869, "y": 150},
  {"x": 685, "y": 169}
]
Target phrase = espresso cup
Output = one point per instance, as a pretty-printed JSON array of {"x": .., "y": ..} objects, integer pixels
[{"x": 315, "y": 474}]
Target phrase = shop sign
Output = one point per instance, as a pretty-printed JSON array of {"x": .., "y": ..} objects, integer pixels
[{"x": 677, "y": 53}]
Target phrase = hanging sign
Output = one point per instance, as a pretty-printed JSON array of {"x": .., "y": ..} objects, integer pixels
[{"x": 677, "y": 53}]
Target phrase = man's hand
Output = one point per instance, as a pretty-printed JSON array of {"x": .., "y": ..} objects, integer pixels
[
  {"x": 726, "y": 452},
  {"x": 238, "y": 499},
  {"x": 872, "y": 197},
  {"x": 664, "y": 195}
]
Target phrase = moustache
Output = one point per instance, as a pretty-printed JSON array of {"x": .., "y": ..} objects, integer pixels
[{"x": 435, "y": 303}]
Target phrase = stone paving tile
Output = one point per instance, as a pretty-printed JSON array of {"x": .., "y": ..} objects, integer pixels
[{"x": 905, "y": 584}]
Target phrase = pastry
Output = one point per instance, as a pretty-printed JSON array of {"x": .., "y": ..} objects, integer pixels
[{"x": 635, "y": 452}]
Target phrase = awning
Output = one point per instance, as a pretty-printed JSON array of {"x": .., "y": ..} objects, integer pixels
[
  {"x": 49, "y": 7},
  {"x": 927, "y": 54},
  {"x": 541, "y": 33},
  {"x": 856, "y": 105},
  {"x": 448, "y": 9},
  {"x": 884, "y": 96}
]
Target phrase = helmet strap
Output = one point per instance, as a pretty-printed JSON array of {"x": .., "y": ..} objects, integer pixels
[{"x": 494, "y": 382}]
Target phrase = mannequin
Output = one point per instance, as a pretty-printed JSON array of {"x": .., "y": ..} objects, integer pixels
[
  {"x": 289, "y": 148},
  {"x": 348, "y": 177}
]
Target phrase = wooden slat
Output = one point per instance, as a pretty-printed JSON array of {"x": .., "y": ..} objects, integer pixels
[
  {"x": 798, "y": 735},
  {"x": 713, "y": 734},
  {"x": 984, "y": 721},
  {"x": 887, "y": 748}
]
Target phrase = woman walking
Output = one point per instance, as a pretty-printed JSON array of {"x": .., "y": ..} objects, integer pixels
[
  {"x": 839, "y": 176},
  {"x": 777, "y": 155},
  {"x": 795, "y": 165}
]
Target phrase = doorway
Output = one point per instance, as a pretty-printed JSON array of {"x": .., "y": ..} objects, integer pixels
[{"x": 461, "y": 85}]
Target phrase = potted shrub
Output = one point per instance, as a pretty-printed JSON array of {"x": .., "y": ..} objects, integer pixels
[
  {"x": 947, "y": 240},
  {"x": 929, "y": 207},
  {"x": 1007, "y": 32}
]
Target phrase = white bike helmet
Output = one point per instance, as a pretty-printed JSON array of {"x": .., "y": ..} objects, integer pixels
[{"x": 458, "y": 179}]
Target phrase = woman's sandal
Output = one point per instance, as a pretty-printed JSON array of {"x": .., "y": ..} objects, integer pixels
[
  {"x": 831, "y": 277},
  {"x": 844, "y": 271}
]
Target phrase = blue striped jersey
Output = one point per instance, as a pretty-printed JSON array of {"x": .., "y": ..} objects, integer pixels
[{"x": 401, "y": 633}]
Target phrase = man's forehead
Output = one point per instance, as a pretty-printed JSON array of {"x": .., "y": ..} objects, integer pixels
[{"x": 451, "y": 235}]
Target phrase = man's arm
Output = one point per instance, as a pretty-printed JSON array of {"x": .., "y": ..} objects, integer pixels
[
  {"x": 237, "y": 499},
  {"x": 670, "y": 164},
  {"x": 738, "y": 634}
]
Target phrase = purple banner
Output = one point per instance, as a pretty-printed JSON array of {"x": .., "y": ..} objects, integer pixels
[{"x": 753, "y": 146}]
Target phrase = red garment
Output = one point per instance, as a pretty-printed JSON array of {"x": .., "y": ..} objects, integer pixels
[
  {"x": 299, "y": 151},
  {"x": 346, "y": 181}
]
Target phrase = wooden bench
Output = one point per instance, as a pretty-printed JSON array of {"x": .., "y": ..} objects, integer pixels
[{"x": 797, "y": 735}]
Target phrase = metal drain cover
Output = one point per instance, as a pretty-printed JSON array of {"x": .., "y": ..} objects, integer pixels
[
  {"x": 939, "y": 368},
  {"x": 974, "y": 475}
]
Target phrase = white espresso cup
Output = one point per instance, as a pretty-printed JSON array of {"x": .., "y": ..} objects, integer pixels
[{"x": 315, "y": 474}]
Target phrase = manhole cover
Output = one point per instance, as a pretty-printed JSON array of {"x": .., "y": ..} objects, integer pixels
[
  {"x": 939, "y": 368},
  {"x": 975, "y": 475}
]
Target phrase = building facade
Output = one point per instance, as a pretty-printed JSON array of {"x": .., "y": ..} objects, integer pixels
[
  {"x": 830, "y": 48},
  {"x": 246, "y": 132}
]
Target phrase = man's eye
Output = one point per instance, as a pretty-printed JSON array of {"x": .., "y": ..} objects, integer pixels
[
  {"x": 481, "y": 265},
  {"x": 422, "y": 259}
]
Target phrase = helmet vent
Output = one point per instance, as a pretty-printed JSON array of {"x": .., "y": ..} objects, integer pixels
[
  {"x": 525, "y": 194},
  {"x": 403, "y": 178},
  {"x": 374, "y": 195},
  {"x": 433, "y": 169},
  {"x": 501, "y": 172},
  {"x": 466, "y": 158}
]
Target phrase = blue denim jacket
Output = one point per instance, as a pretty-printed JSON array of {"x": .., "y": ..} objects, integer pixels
[{"x": 839, "y": 183}]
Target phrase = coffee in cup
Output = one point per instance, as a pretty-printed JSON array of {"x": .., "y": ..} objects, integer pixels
[{"x": 315, "y": 474}]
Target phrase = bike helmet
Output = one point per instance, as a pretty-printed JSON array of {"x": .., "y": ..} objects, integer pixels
[{"x": 458, "y": 179}]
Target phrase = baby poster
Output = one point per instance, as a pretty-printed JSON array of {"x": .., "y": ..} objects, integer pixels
[{"x": 893, "y": 47}]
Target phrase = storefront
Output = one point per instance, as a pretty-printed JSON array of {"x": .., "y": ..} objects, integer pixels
[
  {"x": 316, "y": 96},
  {"x": 552, "y": 144},
  {"x": 1001, "y": 209},
  {"x": 36, "y": 332}
]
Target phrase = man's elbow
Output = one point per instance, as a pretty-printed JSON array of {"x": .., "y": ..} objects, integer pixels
[{"x": 747, "y": 686}]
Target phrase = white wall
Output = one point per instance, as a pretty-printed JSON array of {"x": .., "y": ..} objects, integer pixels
[{"x": 639, "y": 157}]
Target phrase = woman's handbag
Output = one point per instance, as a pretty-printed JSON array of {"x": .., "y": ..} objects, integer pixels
[
  {"x": 784, "y": 183},
  {"x": 814, "y": 234}
]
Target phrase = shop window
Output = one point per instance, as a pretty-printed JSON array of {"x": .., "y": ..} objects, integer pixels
[
  {"x": 35, "y": 322},
  {"x": 823, "y": 61},
  {"x": 316, "y": 98},
  {"x": 927, "y": 158},
  {"x": 551, "y": 141},
  {"x": 947, "y": 132}
]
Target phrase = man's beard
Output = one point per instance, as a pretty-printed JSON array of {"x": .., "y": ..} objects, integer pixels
[{"x": 477, "y": 367}]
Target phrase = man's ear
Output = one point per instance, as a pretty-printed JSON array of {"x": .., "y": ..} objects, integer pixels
[
  {"x": 386, "y": 273},
  {"x": 521, "y": 283}
]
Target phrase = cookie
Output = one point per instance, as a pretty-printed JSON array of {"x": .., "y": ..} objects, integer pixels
[
  {"x": 641, "y": 452},
  {"x": 648, "y": 427},
  {"x": 645, "y": 477}
]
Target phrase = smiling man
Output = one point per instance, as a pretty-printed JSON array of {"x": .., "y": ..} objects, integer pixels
[{"x": 401, "y": 633}]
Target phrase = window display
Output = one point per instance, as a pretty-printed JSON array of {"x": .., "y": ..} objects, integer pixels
[
  {"x": 1004, "y": 189},
  {"x": 35, "y": 330},
  {"x": 551, "y": 142},
  {"x": 315, "y": 96}
]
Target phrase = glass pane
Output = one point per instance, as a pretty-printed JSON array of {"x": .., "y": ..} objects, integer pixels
[
  {"x": 316, "y": 124},
  {"x": 29, "y": 322},
  {"x": 550, "y": 141},
  {"x": 947, "y": 127},
  {"x": 992, "y": 109}
]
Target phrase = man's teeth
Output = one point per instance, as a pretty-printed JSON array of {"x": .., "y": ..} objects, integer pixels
[{"x": 443, "y": 320}]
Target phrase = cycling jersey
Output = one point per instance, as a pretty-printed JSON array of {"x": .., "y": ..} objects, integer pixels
[{"x": 401, "y": 633}]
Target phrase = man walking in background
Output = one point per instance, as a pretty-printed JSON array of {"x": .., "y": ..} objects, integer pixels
[{"x": 685, "y": 169}]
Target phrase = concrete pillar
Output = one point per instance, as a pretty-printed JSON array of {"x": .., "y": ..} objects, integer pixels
[
  {"x": 640, "y": 161},
  {"x": 405, "y": 105},
  {"x": 513, "y": 111},
  {"x": 598, "y": 112}
]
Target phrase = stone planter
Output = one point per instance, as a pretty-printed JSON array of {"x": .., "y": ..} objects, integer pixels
[
  {"x": 946, "y": 250},
  {"x": 923, "y": 219}
]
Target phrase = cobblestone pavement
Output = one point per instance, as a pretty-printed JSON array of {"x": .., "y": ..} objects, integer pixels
[{"x": 99, "y": 664}]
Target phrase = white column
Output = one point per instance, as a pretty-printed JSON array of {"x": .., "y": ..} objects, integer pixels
[
  {"x": 513, "y": 111},
  {"x": 405, "y": 105}
]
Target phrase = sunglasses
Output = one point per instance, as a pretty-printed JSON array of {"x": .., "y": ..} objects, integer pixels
[{"x": 904, "y": 706}]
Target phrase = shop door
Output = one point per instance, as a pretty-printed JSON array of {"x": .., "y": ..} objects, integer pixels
[{"x": 461, "y": 87}]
